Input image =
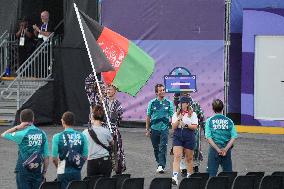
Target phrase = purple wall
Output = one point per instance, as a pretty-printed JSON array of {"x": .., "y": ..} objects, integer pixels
[
  {"x": 256, "y": 22},
  {"x": 236, "y": 46},
  {"x": 193, "y": 40}
]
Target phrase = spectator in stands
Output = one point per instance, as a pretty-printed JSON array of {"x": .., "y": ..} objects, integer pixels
[
  {"x": 33, "y": 151},
  {"x": 159, "y": 113},
  {"x": 45, "y": 29},
  {"x": 25, "y": 37},
  {"x": 221, "y": 133},
  {"x": 100, "y": 141},
  {"x": 184, "y": 122},
  {"x": 62, "y": 145}
]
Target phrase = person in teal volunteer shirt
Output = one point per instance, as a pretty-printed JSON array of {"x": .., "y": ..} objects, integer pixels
[
  {"x": 78, "y": 142},
  {"x": 221, "y": 133},
  {"x": 159, "y": 113},
  {"x": 31, "y": 140}
]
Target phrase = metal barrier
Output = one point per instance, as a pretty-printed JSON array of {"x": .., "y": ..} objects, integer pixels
[
  {"x": 32, "y": 74},
  {"x": 8, "y": 53}
]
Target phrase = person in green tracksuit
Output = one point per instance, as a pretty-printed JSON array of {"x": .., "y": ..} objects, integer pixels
[
  {"x": 220, "y": 133},
  {"x": 159, "y": 113},
  {"x": 32, "y": 144},
  {"x": 66, "y": 171}
]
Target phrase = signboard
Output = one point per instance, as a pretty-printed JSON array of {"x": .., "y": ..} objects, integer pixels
[{"x": 180, "y": 83}]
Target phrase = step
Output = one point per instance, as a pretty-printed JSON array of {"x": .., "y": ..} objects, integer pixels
[
  {"x": 8, "y": 111},
  {"x": 13, "y": 94},
  {"x": 8, "y": 103},
  {"x": 28, "y": 83},
  {"x": 7, "y": 78},
  {"x": 6, "y": 118},
  {"x": 33, "y": 86},
  {"x": 23, "y": 85},
  {"x": 6, "y": 123}
]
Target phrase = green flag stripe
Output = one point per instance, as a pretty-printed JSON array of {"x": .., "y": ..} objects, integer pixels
[{"x": 134, "y": 71}]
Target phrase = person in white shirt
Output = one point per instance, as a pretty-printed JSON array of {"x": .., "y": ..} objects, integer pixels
[
  {"x": 46, "y": 27},
  {"x": 184, "y": 122}
]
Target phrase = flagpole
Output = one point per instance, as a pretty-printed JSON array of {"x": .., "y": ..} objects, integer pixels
[{"x": 92, "y": 63}]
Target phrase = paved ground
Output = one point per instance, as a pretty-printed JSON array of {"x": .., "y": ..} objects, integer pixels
[{"x": 251, "y": 153}]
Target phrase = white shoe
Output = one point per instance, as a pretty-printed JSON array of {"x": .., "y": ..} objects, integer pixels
[
  {"x": 174, "y": 181},
  {"x": 160, "y": 169}
]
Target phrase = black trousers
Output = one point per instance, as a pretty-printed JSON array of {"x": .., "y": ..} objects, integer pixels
[{"x": 100, "y": 166}]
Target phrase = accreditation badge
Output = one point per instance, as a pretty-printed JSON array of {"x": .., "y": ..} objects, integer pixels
[{"x": 22, "y": 41}]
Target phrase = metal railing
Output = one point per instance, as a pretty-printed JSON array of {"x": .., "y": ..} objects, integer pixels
[
  {"x": 8, "y": 53},
  {"x": 3, "y": 52},
  {"x": 32, "y": 74},
  {"x": 39, "y": 64}
]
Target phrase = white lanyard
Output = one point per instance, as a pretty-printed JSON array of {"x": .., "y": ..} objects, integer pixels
[{"x": 22, "y": 38}]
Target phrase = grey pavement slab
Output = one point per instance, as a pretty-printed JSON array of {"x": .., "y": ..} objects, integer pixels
[{"x": 252, "y": 152}]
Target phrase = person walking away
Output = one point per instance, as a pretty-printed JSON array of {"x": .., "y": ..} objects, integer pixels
[
  {"x": 220, "y": 133},
  {"x": 33, "y": 154},
  {"x": 69, "y": 151}
]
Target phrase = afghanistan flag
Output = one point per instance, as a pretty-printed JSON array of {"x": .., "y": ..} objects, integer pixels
[{"x": 132, "y": 65}]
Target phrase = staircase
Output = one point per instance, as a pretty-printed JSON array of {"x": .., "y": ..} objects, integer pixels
[
  {"x": 30, "y": 76},
  {"x": 12, "y": 102}
]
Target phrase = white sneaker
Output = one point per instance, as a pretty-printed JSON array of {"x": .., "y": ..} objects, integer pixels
[
  {"x": 160, "y": 169},
  {"x": 174, "y": 181}
]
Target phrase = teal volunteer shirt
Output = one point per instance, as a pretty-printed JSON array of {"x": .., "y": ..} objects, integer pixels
[
  {"x": 160, "y": 113},
  {"x": 29, "y": 140},
  {"x": 220, "y": 129},
  {"x": 59, "y": 147}
]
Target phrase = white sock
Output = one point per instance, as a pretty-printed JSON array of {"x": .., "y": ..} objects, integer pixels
[
  {"x": 182, "y": 164},
  {"x": 175, "y": 174}
]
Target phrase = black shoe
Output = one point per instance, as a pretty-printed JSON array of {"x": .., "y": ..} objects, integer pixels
[
  {"x": 183, "y": 172},
  {"x": 160, "y": 170},
  {"x": 196, "y": 169},
  {"x": 174, "y": 181}
]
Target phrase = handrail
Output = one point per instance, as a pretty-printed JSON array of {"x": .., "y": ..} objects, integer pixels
[
  {"x": 5, "y": 32},
  {"x": 59, "y": 24},
  {"x": 26, "y": 64}
]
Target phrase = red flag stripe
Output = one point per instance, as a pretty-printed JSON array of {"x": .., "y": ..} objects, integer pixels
[{"x": 115, "y": 48}]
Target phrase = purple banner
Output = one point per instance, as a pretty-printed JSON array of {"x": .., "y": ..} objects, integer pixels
[
  {"x": 165, "y": 20},
  {"x": 193, "y": 40},
  {"x": 238, "y": 6}
]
